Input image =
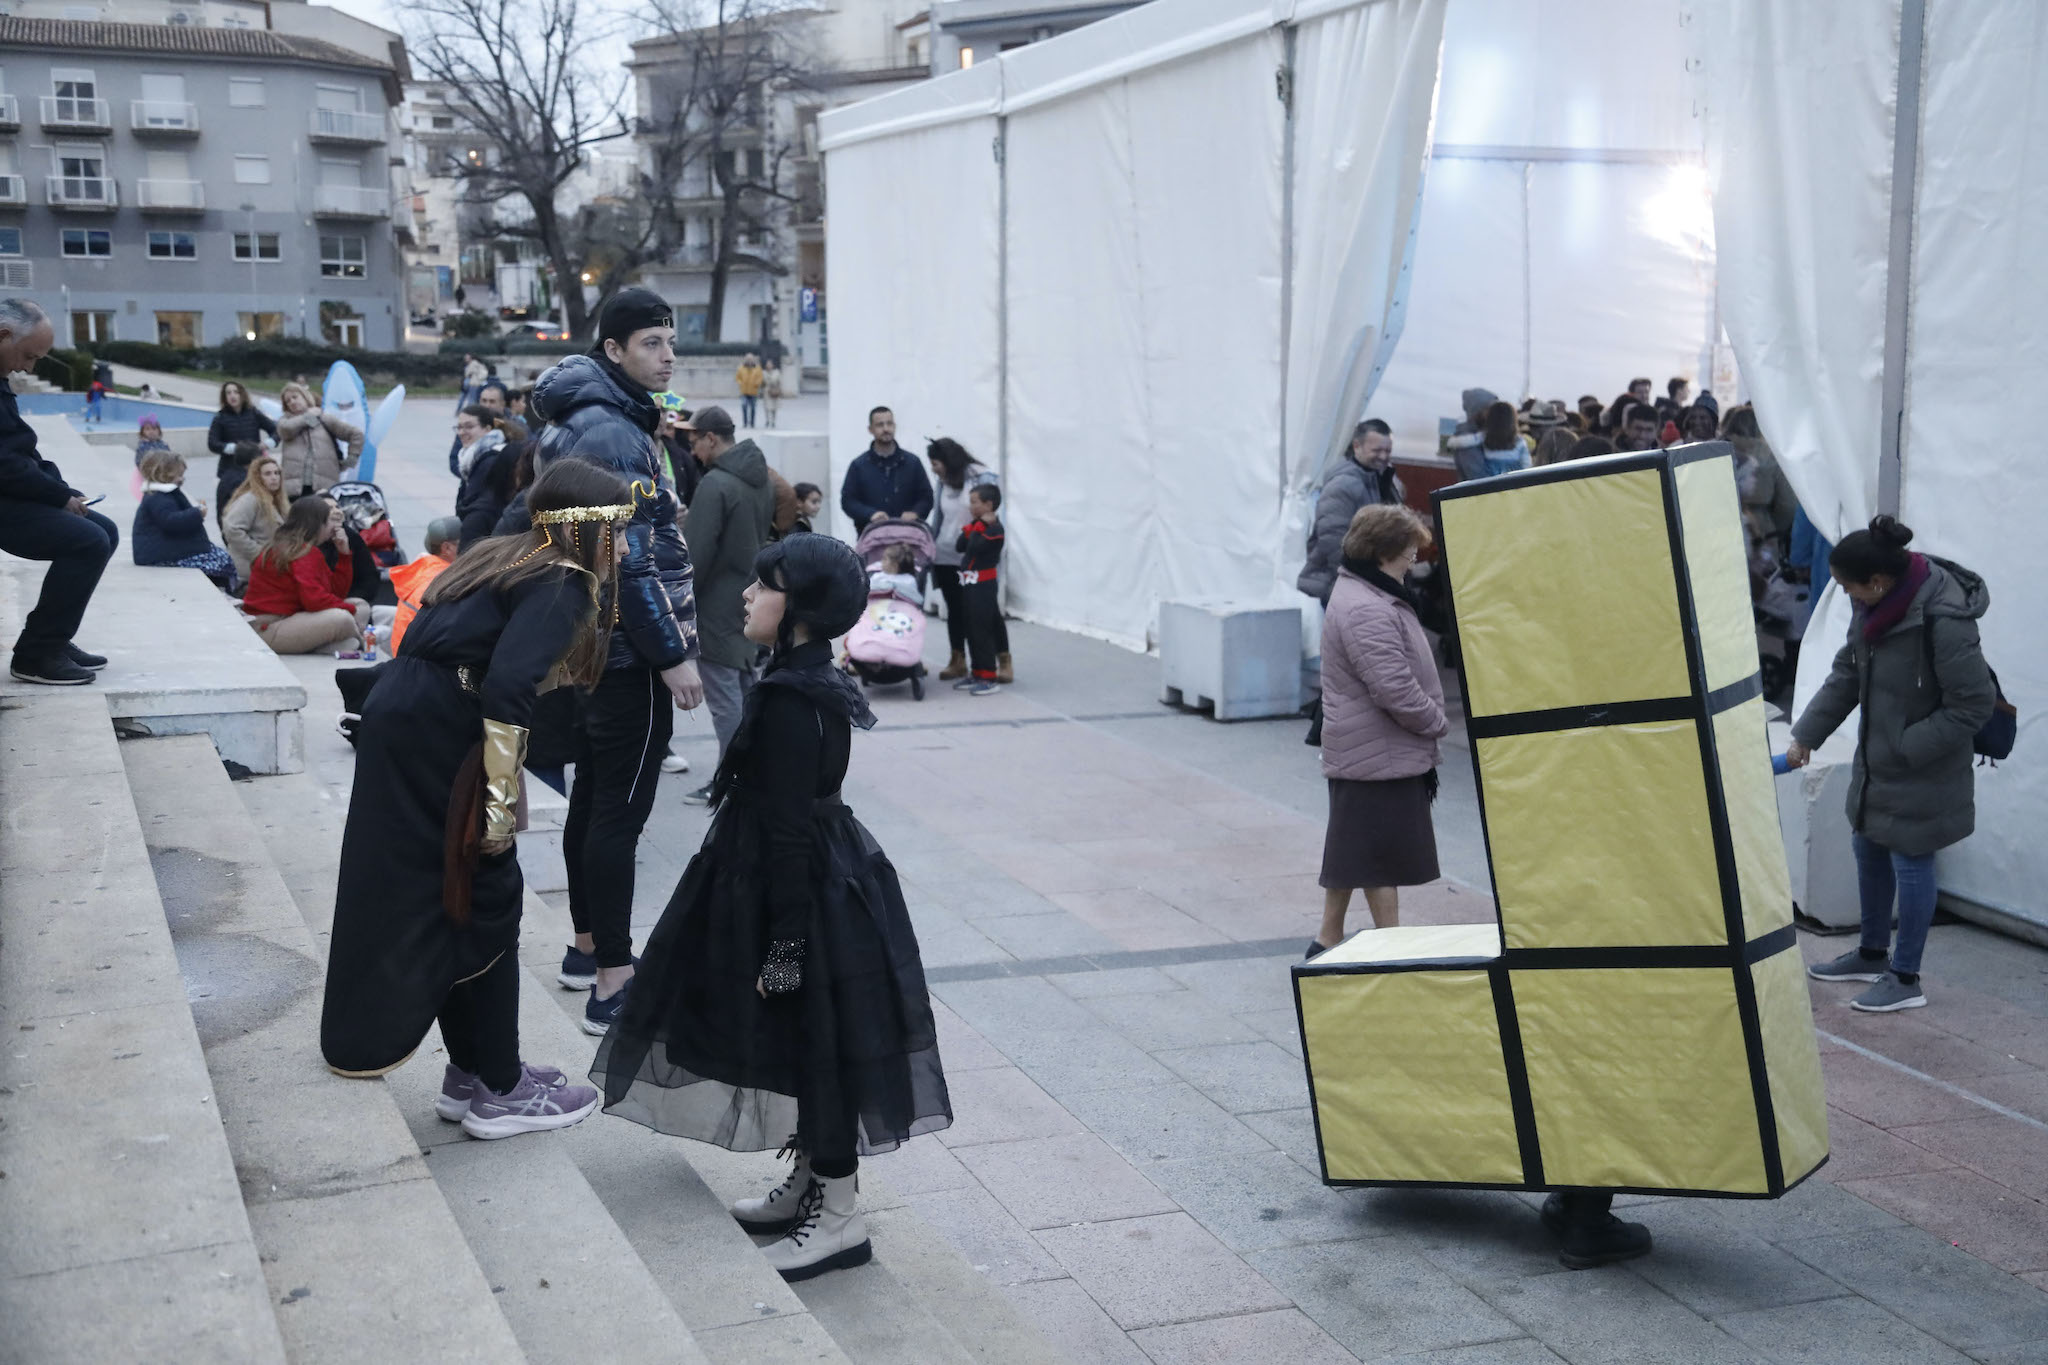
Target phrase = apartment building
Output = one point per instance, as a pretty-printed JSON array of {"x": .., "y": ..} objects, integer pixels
[{"x": 189, "y": 181}]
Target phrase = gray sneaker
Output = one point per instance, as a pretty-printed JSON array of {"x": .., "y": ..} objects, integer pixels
[
  {"x": 1889, "y": 994},
  {"x": 540, "y": 1101},
  {"x": 1850, "y": 966}
]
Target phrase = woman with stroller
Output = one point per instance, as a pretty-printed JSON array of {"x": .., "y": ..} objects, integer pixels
[
  {"x": 781, "y": 1001},
  {"x": 313, "y": 445},
  {"x": 955, "y": 474},
  {"x": 426, "y": 912}
]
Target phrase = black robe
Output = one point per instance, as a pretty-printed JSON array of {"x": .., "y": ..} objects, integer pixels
[
  {"x": 395, "y": 951},
  {"x": 850, "y": 1061}
]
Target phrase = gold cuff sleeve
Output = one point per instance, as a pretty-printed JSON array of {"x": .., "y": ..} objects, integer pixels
[{"x": 504, "y": 755}]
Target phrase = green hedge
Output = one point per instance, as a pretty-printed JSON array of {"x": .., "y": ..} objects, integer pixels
[
  {"x": 282, "y": 357},
  {"x": 70, "y": 370},
  {"x": 146, "y": 355}
]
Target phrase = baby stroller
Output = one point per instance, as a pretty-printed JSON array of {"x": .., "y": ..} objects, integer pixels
[
  {"x": 887, "y": 644},
  {"x": 363, "y": 510}
]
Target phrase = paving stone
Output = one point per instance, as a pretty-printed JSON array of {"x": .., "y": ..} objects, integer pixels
[
  {"x": 1813, "y": 1208},
  {"x": 1858, "y": 1151},
  {"x": 961, "y": 1046},
  {"x": 1262, "y": 1199},
  {"x": 1006, "y": 1007},
  {"x": 1149, "y": 1271},
  {"x": 1177, "y": 1020},
  {"x": 1986, "y": 1219},
  {"x": 1094, "y": 1058},
  {"x": 1255, "y": 984},
  {"x": 1075, "y": 1323},
  {"x": 1161, "y": 1122},
  {"x": 2031, "y": 1353},
  {"x": 1120, "y": 981},
  {"x": 1921, "y": 1043},
  {"x": 1519, "y": 1351},
  {"x": 1845, "y": 1329},
  {"x": 1478, "y": 1236},
  {"x": 1282, "y": 1028},
  {"x": 1379, "y": 1301},
  {"x": 1051, "y": 933},
  {"x": 967, "y": 1306},
  {"x": 219, "y": 1311},
  {"x": 1002, "y": 1105},
  {"x": 1945, "y": 1292},
  {"x": 1714, "y": 1269},
  {"x": 1245, "y": 1078},
  {"x": 769, "y": 1341},
  {"x": 2026, "y": 1091},
  {"x": 946, "y": 940},
  {"x": 1283, "y": 1336},
  {"x": 2002, "y": 1149},
  {"x": 1292, "y": 1131},
  {"x": 993, "y": 1242},
  {"x": 1136, "y": 919},
  {"x": 921, "y": 1165},
  {"x": 1052, "y": 1182},
  {"x": 1610, "y": 1317},
  {"x": 1879, "y": 1095}
]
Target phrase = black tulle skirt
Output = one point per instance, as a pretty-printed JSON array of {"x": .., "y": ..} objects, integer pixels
[{"x": 849, "y": 1063}]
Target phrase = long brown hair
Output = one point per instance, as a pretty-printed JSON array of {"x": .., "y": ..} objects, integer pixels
[
  {"x": 237, "y": 386},
  {"x": 273, "y": 499},
  {"x": 586, "y": 546},
  {"x": 303, "y": 527}
]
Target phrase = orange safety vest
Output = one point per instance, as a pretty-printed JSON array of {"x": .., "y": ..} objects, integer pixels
[{"x": 410, "y": 581}]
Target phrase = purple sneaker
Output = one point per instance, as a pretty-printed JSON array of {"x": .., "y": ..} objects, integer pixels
[
  {"x": 458, "y": 1087},
  {"x": 543, "y": 1099}
]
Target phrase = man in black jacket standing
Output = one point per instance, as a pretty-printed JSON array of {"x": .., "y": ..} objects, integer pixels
[
  {"x": 599, "y": 407},
  {"x": 43, "y": 517},
  {"x": 884, "y": 482}
]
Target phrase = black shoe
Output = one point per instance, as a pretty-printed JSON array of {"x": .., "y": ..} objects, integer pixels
[
  {"x": 1597, "y": 1242},
  {"x": 92, "y": 663},
  {"x": 700, "y": 797},
  {"x": 1314, "y": 950},
  {"x": 52, "y": 670}
]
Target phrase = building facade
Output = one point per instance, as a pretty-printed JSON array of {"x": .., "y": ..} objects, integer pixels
[{"x": 186, "y": 183}]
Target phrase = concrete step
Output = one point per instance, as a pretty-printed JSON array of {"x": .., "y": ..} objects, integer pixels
[
  {"x": 361, "y": 1253},
  {"x": 117, "y": 1190}
]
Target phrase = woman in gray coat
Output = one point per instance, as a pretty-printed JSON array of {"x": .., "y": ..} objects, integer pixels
[{"x": 1913, "y": 664}]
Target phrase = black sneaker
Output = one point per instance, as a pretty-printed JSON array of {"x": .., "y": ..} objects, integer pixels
[
  {"x": 52, "y": 670},
  {"x": 1593, "y": 1242},
  {"x": 700, "y": 797},
  {"x": 579, "y": 970},
  {"x": 600, "y": 1015},
  {"x": 91, "y": 663}
]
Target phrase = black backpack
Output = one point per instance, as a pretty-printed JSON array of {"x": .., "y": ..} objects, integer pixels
[{"x": 1994, "y": 740}]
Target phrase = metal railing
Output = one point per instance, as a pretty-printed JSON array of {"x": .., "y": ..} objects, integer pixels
[
  {"x": 73, "y": 111},
  {"x": 13, "y": 190},
  {"x": 341, "y": 125},
  {"x": 162, "y": 116},
  {"x": 82, "y": 192},
  {"x": 187, "y": 195},
  {"x": 351, "y": 201}
]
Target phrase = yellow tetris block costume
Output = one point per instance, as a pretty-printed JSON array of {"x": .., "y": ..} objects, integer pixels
[{"x": 1637, "y": 1017}]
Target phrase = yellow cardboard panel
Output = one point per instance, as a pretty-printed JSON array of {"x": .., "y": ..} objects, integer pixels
[
  {"x": 1744, "y": 751},
  {"x": 1415, "y": 943},
  {"x": 1565, "y": 593},
  {"x": 1409, "y": 1079},
  {"x": 1712, "y": 517},
  {"x": 1638, "y": 1077},
  {"x": 1798, "y": 1098},
  {"x": 1600, "y": 837}
]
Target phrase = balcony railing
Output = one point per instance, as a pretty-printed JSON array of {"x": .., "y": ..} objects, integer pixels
[
  {"x": 73, "y": 114},
  {"x": 168, "y": 118},
  {"x": 10, "y": 112},
  {"x": 351, "y": 201},
  {"x": 82, "y": 192},
  {"x": 341, "y": 125},
  {"x": 170, "y": 196},
  {"x": 13, "y": 190}
]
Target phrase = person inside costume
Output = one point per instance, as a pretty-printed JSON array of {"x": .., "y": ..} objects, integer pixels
[
  {"x": 781, "y": 1000},
  {"x": 426, "y": 914}
]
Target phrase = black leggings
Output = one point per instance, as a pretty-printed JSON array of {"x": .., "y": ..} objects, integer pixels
[
  {"x": 480, "y": 1024},
  {"x": 621, "y": 735},
  {"x": 987, "y": 636},
  {"x": 946, "y": 578}
]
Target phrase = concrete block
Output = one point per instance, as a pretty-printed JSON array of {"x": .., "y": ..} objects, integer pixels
[
  {"x": 208, "y": 1303},
  {"x": 1262, "y": 1200},
  {"x": 1053, "y": 1181},
  {"x": 983, "y": 1231},
  {"x": 1162, "y": 1122},
  {"x": 1379, "y": 1302},
  {"x": 1075, "y": 1323},
  {"x": 1287, "y": 1335},
  {"x": 1150, "y": 1271},
  {"x": 1842, "y": 1329},
  {"x": 1241, "y": 660},
  {"x": 771, "y": 1341},
  {"x": 1813, "y": 817}
]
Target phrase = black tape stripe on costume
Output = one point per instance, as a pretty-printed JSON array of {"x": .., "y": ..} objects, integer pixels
[
  {"x": 1519, "y": 1103},
  {"x": 1647, "y": 712}
]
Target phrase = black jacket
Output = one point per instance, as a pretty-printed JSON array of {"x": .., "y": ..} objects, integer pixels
[
  {"x": 482, "y": 498},
  {"x": 244, "y": 431},
  {"x": 24, "y": 474},
  {"x": 594, "y": 412},
  {"x": 167, "y": 528},
  {"x": 894, "y": 484}
]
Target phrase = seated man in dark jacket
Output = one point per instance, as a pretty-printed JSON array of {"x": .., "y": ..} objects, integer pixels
[
  {"x": 599, "y": 407},
  {"x": 43, "y": 517},
  {"x": 884, "y": 481}
]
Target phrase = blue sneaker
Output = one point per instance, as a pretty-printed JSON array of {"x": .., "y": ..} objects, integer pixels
[
  {"x": 983, "y": 687},
  {"x": 579, "y": 970},
  {"x": 600, "y": 1015}
]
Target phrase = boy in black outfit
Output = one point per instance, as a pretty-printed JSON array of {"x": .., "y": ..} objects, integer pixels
[{"x": 981, "y": 549}]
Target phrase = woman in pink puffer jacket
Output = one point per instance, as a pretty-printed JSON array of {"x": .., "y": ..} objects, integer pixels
[{"x": 1383, "y": 712}]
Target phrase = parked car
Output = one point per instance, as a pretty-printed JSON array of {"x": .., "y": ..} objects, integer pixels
[{"x": 535, "y": 331}]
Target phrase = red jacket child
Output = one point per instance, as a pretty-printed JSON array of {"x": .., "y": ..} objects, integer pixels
[{"x": 309, "y": 585}]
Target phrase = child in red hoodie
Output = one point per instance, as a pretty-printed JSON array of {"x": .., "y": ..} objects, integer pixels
[
  {"x": 298, "y": 597},
  {"x": 981, "y": 550}
]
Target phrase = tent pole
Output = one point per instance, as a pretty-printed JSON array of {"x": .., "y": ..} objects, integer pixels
[
  {"x": 1285, "y": 90},
  {"x": 1898, "y": 286}
]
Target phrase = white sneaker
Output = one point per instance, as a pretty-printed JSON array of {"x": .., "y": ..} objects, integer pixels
[
  {"x": 675, "y": 763},
  {"x": 828, "y": 1233},
  {"x": 774, "y": 1213}
]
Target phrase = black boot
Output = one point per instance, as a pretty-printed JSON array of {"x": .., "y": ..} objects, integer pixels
[{"x": 1588, "y": 1234}]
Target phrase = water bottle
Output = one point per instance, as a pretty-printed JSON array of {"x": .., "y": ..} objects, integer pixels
[{"x": 370, "y": 642}]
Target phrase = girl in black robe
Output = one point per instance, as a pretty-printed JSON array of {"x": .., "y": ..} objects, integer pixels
[
  {"x": 781, "y": 1001},
  {"x": 426, "y": 913}
]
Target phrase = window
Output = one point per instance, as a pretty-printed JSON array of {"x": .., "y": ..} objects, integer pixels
[
  {"x": 261, "y": 246},
  {"x": 75, "y": 91},
  {"x": 88, "y": 242},
  {"x": 444, "y": 121},
  {"x": 177, "y": 329},
  {"x": 260, "y": 326},
  {"x": 10, "y": 241},
  {"x": 90, "y": 327},
  {"x": 344, "y": 99},
  {"x": 342, "y": 258},
  {"x": 81, "y": 173},
  {"x": 173, "y": 246},
  {"x": 252, "y": 170},
  {"x": 245, "y": 92},
  {"x": 346, "y": 170}
]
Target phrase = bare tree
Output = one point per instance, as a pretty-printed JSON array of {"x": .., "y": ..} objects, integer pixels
[
  {"x": 723, "y": 66},
  {"x": 521, "y": 74}
]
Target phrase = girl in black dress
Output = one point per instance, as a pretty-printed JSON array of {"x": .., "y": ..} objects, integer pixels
[
  {"x": 426, "y": 913},
  {"x": 781, "y": 1000}
]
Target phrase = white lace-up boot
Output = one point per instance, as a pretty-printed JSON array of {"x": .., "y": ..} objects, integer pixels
[
  {"x": 775, "y": 1212},
  {"x": 829, "y": 1233}
]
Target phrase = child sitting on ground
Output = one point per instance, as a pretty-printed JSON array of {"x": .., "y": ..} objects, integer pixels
[
  {"x": 170, "y": 530},
  {"x": 981, "y": 549},
  {"x": 897, "y": 575}
]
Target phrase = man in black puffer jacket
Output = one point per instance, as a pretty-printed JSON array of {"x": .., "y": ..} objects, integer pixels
[{"x": 599, "y": 408}]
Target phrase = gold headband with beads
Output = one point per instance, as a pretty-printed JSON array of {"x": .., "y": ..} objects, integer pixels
[{"x": 618, "y": 511}]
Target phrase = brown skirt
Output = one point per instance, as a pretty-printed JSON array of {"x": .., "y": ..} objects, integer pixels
[{"x": 1379, "y": 834}]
